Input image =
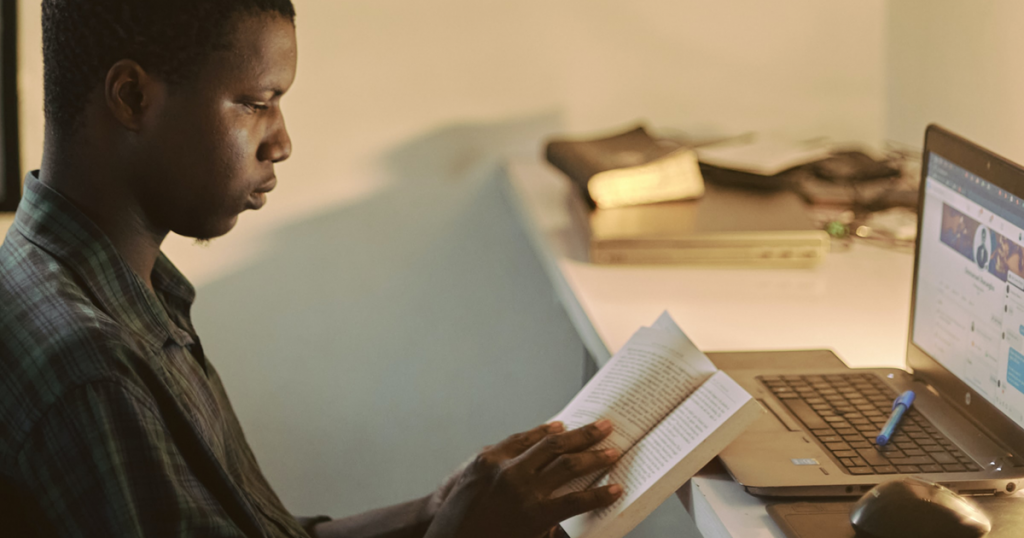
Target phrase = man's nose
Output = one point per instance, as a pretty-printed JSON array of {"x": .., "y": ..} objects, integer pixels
[{"x": 278, "y": 145}]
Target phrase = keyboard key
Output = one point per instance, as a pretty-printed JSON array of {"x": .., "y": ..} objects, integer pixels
[
  {"x": 846, "y": 431},
  {"x": 954, "y": 467},
  {"x": 972, "y": 467},
  {"x": 823, "y": 431},
  {"x": 885, "y": 469},
  {"x": 830, "y": 439},
  {"x": 860, "y": 444},
  {"x": 942, "y": 457},
  {"x": 861, "y": 470},
  {"x": 913, "y": 460},
  {"x": 854, "y": 437},
  {"x": 908, "y": 469},
  {"x": 846, "y": 454},
  {"x": 890, "y": 451},
  {"x": 805, "y": 414},
  {"x": 872, "y": 456},
  {"x": 847, "y": 462},
  {"x": 914, "y": 452},
  {"x": 933, "y": 468},
  {"x": 839, "y": 446}
]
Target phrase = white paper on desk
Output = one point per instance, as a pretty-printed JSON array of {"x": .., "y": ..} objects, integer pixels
[
  {"x": 641, "y": 384},
  {"x": 761, "y": 155}
]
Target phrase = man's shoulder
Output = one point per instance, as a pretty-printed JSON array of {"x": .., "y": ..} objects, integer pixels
[
  {"x": 53, "y": 338},
  {"x": 44, "y": 305}
]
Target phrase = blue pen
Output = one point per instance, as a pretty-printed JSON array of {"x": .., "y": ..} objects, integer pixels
[{"x": 899, "y": 407}]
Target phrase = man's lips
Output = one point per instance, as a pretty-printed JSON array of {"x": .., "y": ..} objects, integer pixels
[
  {"x": 258, "y": 198},
  {"x": 268, "y": 185}
]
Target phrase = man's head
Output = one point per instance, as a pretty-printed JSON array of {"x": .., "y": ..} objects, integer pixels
[{"x": 184, "y": 95}]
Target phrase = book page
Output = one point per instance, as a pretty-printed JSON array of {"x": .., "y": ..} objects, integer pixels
[
  {"x": 667, "y": 324},
  {"x": 641, "y": 384},
  {"x": 683, "y": 430}
]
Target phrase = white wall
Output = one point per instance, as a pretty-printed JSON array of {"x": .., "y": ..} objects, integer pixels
[{"x": 957, "y": 64}]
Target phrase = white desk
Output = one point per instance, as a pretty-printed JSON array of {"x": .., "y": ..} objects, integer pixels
[{"x": 856, "y": 303}]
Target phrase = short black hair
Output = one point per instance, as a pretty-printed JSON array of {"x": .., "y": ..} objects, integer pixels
[{"x": 82, "y": 39}]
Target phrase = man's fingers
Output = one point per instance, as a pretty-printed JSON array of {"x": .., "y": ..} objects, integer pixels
[
  {"x": 569, "y": 466},
  {"x": 514, "y": 445},
  {"x": 541, "y": 454},
  {"x": 567, "y": 506}
]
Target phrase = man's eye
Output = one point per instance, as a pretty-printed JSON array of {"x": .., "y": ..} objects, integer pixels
[{"x": 256, "y": 106}]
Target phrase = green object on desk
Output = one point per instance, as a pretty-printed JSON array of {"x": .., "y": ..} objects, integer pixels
[{"x": 837, "y": 229}]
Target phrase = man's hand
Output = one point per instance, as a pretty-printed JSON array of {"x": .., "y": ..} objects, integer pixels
[{"x": 506, "y": 491}]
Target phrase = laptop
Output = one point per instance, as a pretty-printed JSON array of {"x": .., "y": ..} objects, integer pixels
[{"x": 965, "y": 356}]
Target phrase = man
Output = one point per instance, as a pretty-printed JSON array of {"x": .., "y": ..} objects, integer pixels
[
  {"x": 982, "y": 253},
  {"x": 165, "y": 115}
]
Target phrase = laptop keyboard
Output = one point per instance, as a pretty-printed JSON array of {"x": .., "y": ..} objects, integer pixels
[{"x": 845, "y": 412}]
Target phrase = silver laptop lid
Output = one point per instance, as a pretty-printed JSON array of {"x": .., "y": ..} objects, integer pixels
[{"x": 967, "y": 312}]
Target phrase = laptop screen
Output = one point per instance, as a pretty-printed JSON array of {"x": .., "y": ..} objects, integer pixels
[{"x": 969, "y": 311}]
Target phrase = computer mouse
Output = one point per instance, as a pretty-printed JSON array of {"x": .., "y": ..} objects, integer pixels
[{"x": 912, "y": 508}]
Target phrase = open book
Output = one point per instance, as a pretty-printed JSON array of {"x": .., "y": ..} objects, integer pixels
[{"x": 673, "y": 411}]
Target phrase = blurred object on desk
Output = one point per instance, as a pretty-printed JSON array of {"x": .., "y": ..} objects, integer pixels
[
  {"x": 759, "y": 162},
  {"x": 727, "y": 226},
  {"x": 856, "y": 207},
  {"x": 853, "y": 166},
  {"x": 629, "y": 168},
  {"x": 854, "y": 179},
  {"x": 762, "y": 155}
]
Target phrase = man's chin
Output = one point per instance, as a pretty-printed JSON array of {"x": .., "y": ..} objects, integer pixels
[{"x": 208, "y": 231}]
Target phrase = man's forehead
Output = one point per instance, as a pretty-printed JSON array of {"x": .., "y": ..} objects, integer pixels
[{"x": 261, "y": 49}]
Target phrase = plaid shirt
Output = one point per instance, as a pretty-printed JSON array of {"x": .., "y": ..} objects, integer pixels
[{"x": 112, "y": 421}]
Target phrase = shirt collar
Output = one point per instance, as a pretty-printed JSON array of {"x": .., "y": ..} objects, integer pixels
[{"x": 53, "y": 223}]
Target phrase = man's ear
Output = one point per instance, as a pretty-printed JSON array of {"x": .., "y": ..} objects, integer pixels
[{"x": 130, "y": 93}]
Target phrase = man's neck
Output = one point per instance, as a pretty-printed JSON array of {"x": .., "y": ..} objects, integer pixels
[{"x": 101, "y": 192}]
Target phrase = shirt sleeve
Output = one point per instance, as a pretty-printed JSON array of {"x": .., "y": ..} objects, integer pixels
[
  {"x": 101, "y": 462},
  {"x": 406, "y": 520}
]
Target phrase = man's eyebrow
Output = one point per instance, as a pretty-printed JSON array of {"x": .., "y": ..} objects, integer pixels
[{"x": 277, "y": 91}]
